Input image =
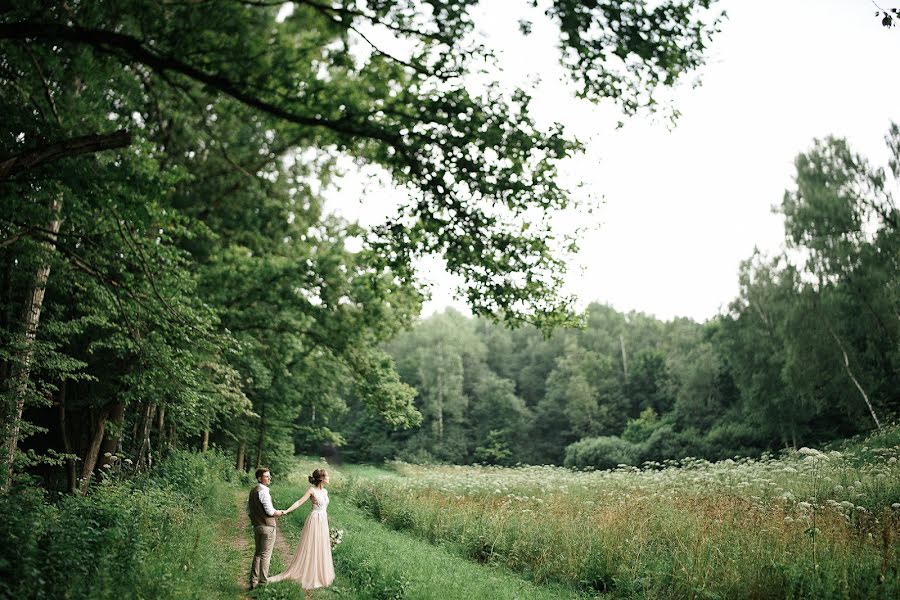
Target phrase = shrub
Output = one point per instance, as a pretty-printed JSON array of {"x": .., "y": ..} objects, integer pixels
[
  {"x": 639, "y": 430},
  {"x": 665, "y": 443},
  {"x": 124, "y": 539},
  {"x": 603, "y": 452},
  {"x": 192, "y": 473},
  {"x": 733, "y": 439}
]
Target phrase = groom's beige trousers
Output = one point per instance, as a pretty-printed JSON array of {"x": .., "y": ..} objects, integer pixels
[{"x": 264, "y": 536}]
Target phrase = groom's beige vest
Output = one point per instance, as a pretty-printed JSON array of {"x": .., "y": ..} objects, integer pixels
[{"x": 258, "y": 516}]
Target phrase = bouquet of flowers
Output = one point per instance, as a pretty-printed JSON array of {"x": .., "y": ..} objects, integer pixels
[{"x": 336, "y": 536}]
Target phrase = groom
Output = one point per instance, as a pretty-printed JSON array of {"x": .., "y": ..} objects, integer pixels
[{"x": 262, "y": 516}]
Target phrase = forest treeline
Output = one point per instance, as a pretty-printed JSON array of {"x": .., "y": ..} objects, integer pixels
[{"x": 808, "y": 352}]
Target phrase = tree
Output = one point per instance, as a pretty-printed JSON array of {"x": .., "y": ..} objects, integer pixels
[
  {"x": 498, "y": 419},
  {"x": 753, "y": 346},
  {"x": 649, "y": 384},
  {"x": 475, "y": 163},
  {"x": 843, "y": 218}
]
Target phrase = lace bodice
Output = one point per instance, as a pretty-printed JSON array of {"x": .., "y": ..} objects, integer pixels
[{"x": 319, "y": 499}]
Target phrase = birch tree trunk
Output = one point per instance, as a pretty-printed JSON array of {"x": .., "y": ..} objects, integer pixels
[
  {"x": 440, "y": 392},
  {"x": 22, "y": 368},
  {"x": 853, "y": 378},
  {"x": 440, "y": 405}
]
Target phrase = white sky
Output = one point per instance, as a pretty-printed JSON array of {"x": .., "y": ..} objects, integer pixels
[{"x": 683, "y": 207}]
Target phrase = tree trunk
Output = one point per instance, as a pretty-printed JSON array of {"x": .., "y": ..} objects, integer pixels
[
  {"x": 173, "y": 436},
  {"x": 22, "y": 367},
  {"x": 262, "y": 438},
  {"x": 853, "y": 378},
  {"x": 6, "y": 317},
  {"x": 239, "y": 463},
  {"x": 161, "y": 428},
  {"x": 71, "y": 476},
  {"x": 205, "y": 444},
  {"x": 90, "y": 459},
  {"x": 134, "y": 434},
  {"x": 440, "y": 392},
  {"x": 145, "y": 456},
  {"x": 624, "y": 356},
  {"x": 440, "y": 406},
  {"x": 113, "y": 433}
]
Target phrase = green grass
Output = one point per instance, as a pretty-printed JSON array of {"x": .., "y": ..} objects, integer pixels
[{"x": 375, "y": 562}]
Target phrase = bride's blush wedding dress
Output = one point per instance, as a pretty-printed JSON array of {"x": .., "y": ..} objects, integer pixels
[{"x": 312, "y": 565}]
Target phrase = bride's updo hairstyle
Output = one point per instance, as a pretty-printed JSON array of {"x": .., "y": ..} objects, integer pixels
[{"x": 317, "y": 476}]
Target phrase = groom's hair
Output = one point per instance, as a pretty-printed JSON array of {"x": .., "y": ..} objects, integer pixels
[{"x": 260, "y": 472}]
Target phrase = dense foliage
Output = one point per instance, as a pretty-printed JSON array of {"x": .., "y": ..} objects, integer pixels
[
  {"x": 168, "y": 275},
  {"x": 136, "y": 538}
]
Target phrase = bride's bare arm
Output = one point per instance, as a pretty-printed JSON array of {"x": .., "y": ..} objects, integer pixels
[{"x": 298, "y": 503}]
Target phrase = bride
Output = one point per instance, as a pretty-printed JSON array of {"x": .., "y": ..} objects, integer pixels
[{"x": 312, "y": 566}]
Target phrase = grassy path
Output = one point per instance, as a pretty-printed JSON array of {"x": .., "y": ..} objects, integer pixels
[{"x": 375, "y": 562}]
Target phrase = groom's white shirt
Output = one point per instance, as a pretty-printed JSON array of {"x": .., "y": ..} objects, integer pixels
[{"x": 266, "y": 499}]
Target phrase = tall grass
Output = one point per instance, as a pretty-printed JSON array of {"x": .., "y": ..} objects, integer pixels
[
  {"x": 807, "y": 524},
  {"x": 156, "y": 536},
  {"x": 376, "y": 563}
]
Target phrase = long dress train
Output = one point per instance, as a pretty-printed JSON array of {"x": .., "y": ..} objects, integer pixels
[{"x": 312, "y": 565}]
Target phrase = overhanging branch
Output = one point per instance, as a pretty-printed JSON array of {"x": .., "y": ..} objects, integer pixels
[
  {"x": 134, "y": 48},
  {"x": 85, "y": 144}
]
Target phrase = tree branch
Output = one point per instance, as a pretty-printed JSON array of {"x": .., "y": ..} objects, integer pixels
[
  {"x": 134, "y": 48},
  {"x": 375, "y": 20},
  {"x": 85, "y": 144}
]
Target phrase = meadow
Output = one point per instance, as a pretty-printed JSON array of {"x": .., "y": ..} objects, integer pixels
[
  {"x": 813, "y": 523},
  {"x": 804, "y": 524}
]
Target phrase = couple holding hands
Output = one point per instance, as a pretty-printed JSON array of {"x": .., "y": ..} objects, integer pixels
[{"x": 311, "y": 566}]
